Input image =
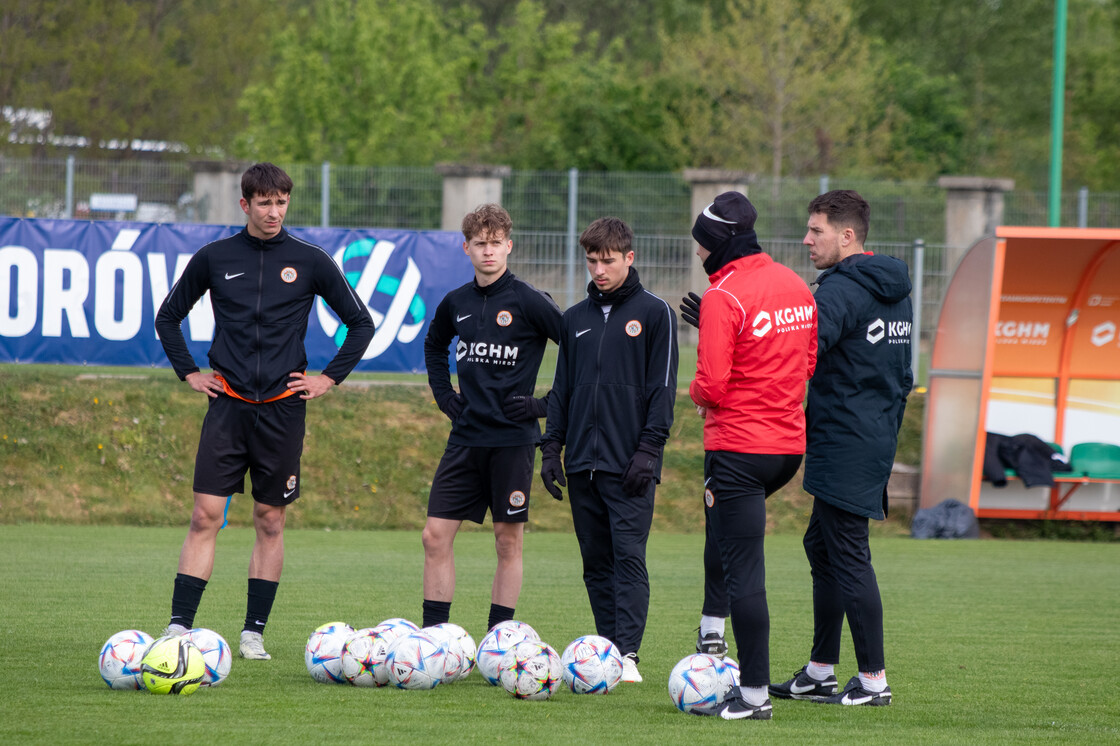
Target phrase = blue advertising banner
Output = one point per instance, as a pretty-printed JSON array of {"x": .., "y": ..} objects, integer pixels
[{"x": 86, "y": 293}]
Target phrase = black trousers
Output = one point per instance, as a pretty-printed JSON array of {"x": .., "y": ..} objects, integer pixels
[
  {"x": 736, "y": 486},
  {"x": 613, "y": 528},
  {"x": 844, "y": 584}
]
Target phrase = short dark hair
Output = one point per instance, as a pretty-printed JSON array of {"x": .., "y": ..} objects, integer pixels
[
  {"x": 844, "y": 208},
  {"x": 263, "y": 179},
  {"x": 606, "y": 235},
  {"x": 489, "y": 219}
]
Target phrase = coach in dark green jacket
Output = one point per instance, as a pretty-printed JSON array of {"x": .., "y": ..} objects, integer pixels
[{"x": 856, "y": 400}]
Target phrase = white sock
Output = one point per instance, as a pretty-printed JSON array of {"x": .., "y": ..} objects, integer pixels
[
  {"x": 875, "y": 681},
  {"x": 709, "y": 624},
  {"x": 819, "y": 671},
  {"x": 754, "y": 695}
]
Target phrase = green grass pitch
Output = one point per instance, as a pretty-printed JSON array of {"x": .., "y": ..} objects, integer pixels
[{"x": 987, "y": 642}]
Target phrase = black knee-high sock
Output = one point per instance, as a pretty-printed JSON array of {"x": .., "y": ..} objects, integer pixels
[
  {"x": 499, "y": 614},
  {"x": 261, "y": 595},
  {"x": 185, "y": 598},
  {"x": 436, "y": 612}
]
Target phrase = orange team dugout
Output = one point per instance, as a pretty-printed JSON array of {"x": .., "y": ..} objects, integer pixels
[{"x": 1028, "y": 341}]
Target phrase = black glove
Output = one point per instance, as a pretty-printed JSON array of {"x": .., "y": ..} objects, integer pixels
[
  {"x": 452, "y": 405},
  {"x": 690, "y": 309},
  {"x": 552, "y": 471},
  {"x": 520, "y": 408},
  {"x": 641, "y": 470}
]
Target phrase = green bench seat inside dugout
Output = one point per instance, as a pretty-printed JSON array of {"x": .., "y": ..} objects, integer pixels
[{"x": 1096, "y": 460}]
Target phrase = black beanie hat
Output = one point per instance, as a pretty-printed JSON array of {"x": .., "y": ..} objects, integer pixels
[{"x": 726, "y": 229}]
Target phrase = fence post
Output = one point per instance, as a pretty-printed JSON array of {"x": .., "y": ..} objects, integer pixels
[
  {"x": 573, "y": 259},
  {"x": 325, "y": 196},
  {"x": 919, "y": 272},
  {"x": 823, "y": 187},
  {"x": 1083, "y": 207},
  {"x": 69, "y": 187}
]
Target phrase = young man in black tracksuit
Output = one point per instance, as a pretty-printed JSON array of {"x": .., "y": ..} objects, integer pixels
[
  {"x": 503, "y": 325},
  {"x": 262, "y": 283},
  {"x": 611, "y": 408}
]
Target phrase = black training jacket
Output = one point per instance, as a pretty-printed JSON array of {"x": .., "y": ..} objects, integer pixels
[
  {"x": 502, "y": 329},
  {"x": 262, "y": 294},
  {"x": 857, "y": 394},
  {"x": 616, "y": 379}
]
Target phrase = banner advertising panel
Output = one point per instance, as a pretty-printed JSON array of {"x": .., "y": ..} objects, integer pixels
[{"x": 86, "y": 293}]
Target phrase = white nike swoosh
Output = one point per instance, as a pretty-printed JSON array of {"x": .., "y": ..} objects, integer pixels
[
  {"x": 288, "y": 493},
  {"x": 463, "y": 318},
  {"x": 230, "y": 277},
  {"x": 850, "y": 700},
  {"x": 796, "y": 689},
  {"x": 581, "y": 332},
  {"x": 514, "y": 512}
]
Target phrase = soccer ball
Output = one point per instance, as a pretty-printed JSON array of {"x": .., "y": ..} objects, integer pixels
[
  {"x": 416, "y": 661},
  {"x": 397, "y": 626},
  {"x": 512, "y": 624},
  {"x": 215, "y": 653},
  {"x": 530, "y": 670},
  {"x": 591, "y": 665},
  {"x": 697, "y": 684},
  {"x": 730, "y": 676},
  {"x": 323, "y": 653},
  {"x": 173, "y": 665},
  {"x": 461, "y": 650},
  {"x": 359, "y": 660},
  {"x": 120, "y": 659},
  {"x": 495, "y": 644}
]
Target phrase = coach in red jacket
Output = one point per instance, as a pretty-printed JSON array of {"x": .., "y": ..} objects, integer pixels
[{"x": 757, "y": 350}]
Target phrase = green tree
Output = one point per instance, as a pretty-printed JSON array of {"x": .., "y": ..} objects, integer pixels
[
  {"x": 366, "y": 82},
  {"x": 780, "y": 85}
]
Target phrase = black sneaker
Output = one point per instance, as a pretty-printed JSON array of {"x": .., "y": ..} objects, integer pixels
[
  {"x": 711, "y": 644},
  {"x": 737, "y": 708},
  {"x": 804, "y": 686},
  {"x": 855, "y": 694}
]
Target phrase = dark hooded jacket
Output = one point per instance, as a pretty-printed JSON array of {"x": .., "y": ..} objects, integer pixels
[{"x": 858, "y": 393}]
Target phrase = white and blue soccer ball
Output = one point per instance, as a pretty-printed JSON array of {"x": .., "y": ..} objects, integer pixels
[
  {"x": 730, "y": 675},
  {"x": 697, "y": 684},
  {"x": 496, "y": 644},
  {"x": 591, "y": 665},
  {"x": 460, "y": 647},
  {"x": 416, "y": 661},
  {"x": 359, "y": 660},
  {"x": 323, "y": 653},
  {"x": 120, "y": 658},
  {"x": 216, "y": 654},
  {"x": 530, "y": 670},
  {"x": 397, "y": 626}
]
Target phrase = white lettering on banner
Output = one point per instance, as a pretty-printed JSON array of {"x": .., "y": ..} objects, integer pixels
[
  {"x": 19, "y": 279},
  {"x": 1102, "y": 334},
  {"x": 1022, "y": 332},
  {"x": 65, "y": 289},
  {"x": 105, "y": 275},
  {"x": 200, "y": 320}
]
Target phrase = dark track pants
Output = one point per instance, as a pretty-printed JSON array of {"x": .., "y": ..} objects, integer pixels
[
  {"x": 613, "y": 528},
  {"x": 735, "y": 527},
  {"x": 844, "y": 584}
]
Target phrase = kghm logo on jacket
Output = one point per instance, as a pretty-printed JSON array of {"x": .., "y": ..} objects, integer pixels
[
  {"x": 895, "y": 332},
  {"x": 783, "y": 320},
  {"x": 485, "y": 352}
]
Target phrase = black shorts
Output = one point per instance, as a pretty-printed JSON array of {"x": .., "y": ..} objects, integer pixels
[
  {"x": 265, "y": 440},
  {"x": 469, "y": 480}
]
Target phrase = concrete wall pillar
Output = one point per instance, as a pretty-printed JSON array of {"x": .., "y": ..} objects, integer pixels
[
  {"x": 706, "y": 184},
  {"x": 465, "y": 187},
  {"x": 217, "y": 192},
  {"x": 973, "y": 209}
]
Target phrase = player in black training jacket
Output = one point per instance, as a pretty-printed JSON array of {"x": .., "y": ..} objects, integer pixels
[
  {"x": 502, "y": 324},
  {"x": 262, "y": 284},
  {"x": 611, "y": 408}
]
